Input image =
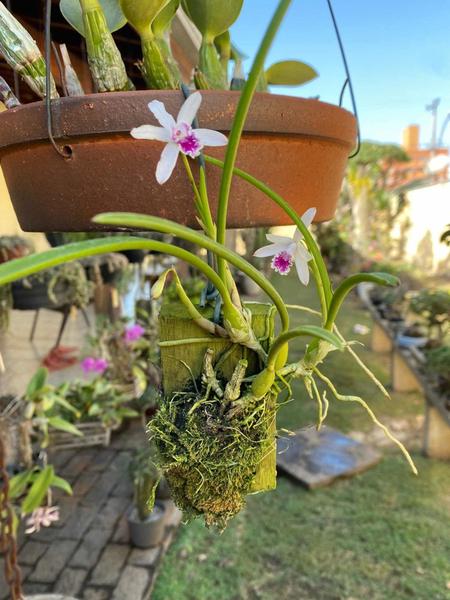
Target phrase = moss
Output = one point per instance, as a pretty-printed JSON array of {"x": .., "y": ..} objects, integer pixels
[{"x": 210, "y": 452}]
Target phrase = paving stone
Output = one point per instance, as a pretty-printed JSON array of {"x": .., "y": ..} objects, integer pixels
[
  {"x": 108, "y": 570},
  {"x": 4, "y": 593},
  {"x": 105, "y": 483},
  {"x": 61, "y": 458},
  {"x": 96, "y": 594},
  {"x": 123, "y": 488},
  {"x": 32, "y": 552},
  {"x": 111, "y": 512},
  {"x": 79, "y": 463},
  {"x": 35, "y": 588},
  {"x": 144, "y": 558},
  {"x": 102, "y": 459},
  {"x": 317, "y": 458},
  {"x": 67, "y": 506},
  {"x": 46, "y": 534},
  {"x": 53, "y": 561},
  {"x": 121, "y": 534},
  {"x": 132, "y": 584},
  {"x": 79, "y": 522},
  {"x": 70, "y": 582},
  {"x": 84, "y": 483},
  {"x": 89, "y": 550}
]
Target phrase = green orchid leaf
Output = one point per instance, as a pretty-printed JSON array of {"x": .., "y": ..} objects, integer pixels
[
  {"x": 164, "y": 18},
  {"x": 212, "y": 17},
  {"x": 18, "y": 484},
  {"x": 290, "y": 72},
  {"x": 63, "y": 425},
  {"x": 140, "y": 14},
  {"x": 71, "y": 11},
  {"x": 38, "y": 490},
  {"x": 62, "y": 484},
  {"x": 37, "y": 382},
  {"x": 385, "y": 279},
  {"x": 320, "y": 334},
  {"x": 63, "y": 402}
]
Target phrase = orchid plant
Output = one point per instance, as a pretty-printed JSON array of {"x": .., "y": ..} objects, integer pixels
[
  {"x": 214, "y": 435},
  {"x": 97, "y": 20}
]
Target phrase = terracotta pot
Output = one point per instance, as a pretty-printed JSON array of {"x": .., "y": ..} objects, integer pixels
[{"x": 298, "y": 147}]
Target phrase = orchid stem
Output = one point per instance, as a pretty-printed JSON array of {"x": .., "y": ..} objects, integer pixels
[
  {"x": 239, "y": 122},
  {"x": 305, "y": 330},
  {"x": 322, "y": 277},
  {"x": 212, "y": 231},
  {"x": 140, "y": 222}
]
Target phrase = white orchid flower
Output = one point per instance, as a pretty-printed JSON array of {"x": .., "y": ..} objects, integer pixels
[
  {"x": 43, "y": 516},
  {"x": 287, "y": 251},
  {"x": 179, "y": 135}
]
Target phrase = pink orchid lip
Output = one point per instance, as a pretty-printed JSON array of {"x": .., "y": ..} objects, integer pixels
[
  {"x": 282, "y": 262},
  {"x": 188, "y": 142}
]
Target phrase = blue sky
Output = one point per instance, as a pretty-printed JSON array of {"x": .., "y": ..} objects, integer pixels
[{"x": 398, "y": 52}]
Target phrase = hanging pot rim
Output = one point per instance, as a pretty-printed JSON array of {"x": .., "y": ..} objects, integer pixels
[{"x": 118, "y": 112}]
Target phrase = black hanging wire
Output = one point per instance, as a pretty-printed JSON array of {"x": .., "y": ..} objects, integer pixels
[
  {"x": 63, "y": 152},
  {"x": 348, "y": 82}
]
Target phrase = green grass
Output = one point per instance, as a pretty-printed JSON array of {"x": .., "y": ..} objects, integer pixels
[{"x": 384, "y": 535}]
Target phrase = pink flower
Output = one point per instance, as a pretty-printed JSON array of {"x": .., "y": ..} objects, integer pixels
[
  {"x": 94, "y": 365},
  {"x": 178, "y": 135},
  {"x": 134, "y": 333},
  {"x": 282, "y": 263},
  {"x": 288, "y": 251},
  {"x": 43, "y": 516}
]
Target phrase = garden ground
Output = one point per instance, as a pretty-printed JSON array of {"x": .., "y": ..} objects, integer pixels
[{"x": 382, "y": 535}]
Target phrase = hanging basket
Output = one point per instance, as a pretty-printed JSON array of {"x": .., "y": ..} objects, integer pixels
[
  {"x": 298, "y": 147},
  {"x": 212, "y": 453}
]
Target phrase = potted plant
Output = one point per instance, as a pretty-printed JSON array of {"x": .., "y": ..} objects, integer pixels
[
  {"x": 13, "y": 246},
  {"x": 146, "y": 520},
  {"x": 101, "y": 406},
  {"x": 224, "y": 363},
  {"x": 59, "y": 287},
  {"x": 131, "y": 353},
  {"x": 438, "y": 364},
  {"x": 28, "y": 494},
  {"x": 298, "y": 146},
  {"x": 433, "y": 306}
]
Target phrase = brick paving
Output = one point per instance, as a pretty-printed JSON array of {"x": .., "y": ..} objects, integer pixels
[{"x": 88, "y": 554}]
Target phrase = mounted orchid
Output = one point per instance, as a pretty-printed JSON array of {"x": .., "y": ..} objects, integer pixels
[{"x": 216, "y": 433}]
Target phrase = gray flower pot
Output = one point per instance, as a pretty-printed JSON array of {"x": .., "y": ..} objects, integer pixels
[{"x": 148, "y": 533}]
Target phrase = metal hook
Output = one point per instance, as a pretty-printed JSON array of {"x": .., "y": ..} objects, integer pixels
[
  {"x": 348, "y": 81},
  {"x": 63, "y": 152}
]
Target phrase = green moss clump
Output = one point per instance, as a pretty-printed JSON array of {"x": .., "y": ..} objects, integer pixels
[{"x": 211, "y": 450}]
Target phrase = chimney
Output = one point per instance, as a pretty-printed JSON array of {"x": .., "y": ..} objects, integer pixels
[{"x": 411, "y": 137}]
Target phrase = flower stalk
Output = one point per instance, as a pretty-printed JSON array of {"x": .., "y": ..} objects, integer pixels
[{"x": 239, "y": 122}]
